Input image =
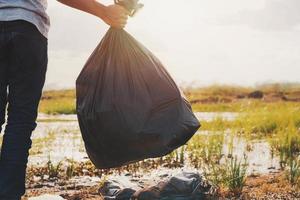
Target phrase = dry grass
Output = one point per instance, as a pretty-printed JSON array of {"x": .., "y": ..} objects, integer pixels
[
  {"x": 214, "y": 98},
  {"x": 58, "y": 102}
]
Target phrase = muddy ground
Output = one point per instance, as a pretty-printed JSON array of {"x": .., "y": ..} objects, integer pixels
[{"x": 271, "y": 186}]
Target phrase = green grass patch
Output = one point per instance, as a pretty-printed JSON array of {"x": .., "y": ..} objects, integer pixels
[
  {"x": 259, "y": 119},
  {"x": 216, "y": 98},
  {"x": 58, "y": 102},
  {"x": 244, "y": 105},
  {"x": 218, "y": 124},
  {"x": 58, "y": 106},
  {"x": 217, "y": 107}
]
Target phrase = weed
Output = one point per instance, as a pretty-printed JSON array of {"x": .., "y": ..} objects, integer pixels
[
  {"x": 287, "y": 144},
  {"x": 53, "y": 170},
  {"x": 236, "y": 174},
  {"x": 293, "y": 173},
  {"x": 70, "y": 169}
]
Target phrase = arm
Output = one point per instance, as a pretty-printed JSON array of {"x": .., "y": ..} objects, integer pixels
[{"x": 114, "y": 15}]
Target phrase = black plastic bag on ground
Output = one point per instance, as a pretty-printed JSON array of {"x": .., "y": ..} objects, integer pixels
[
  {"x": 128, "y": 106},
  {"x": 182, "y": 186}
]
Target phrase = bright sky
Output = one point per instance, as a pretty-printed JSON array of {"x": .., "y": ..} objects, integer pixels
[{"x": 199, "y": 41}]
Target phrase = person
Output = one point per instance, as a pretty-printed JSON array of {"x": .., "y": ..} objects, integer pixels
[{"x": 24, "y": 26}]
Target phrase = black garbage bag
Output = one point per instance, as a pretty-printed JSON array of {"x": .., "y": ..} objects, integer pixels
[
  {"x": 128, "y": 106},
  {"x": 182, "y": 186}
]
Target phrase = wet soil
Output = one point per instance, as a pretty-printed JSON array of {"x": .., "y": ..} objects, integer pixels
[{"x": 264, "y": 187}]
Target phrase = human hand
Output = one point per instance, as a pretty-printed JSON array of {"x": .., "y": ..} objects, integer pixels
[{"x": 115, "y": 16}]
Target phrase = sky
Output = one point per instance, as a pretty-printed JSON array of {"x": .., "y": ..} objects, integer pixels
[{"x": 199, "y": 42}]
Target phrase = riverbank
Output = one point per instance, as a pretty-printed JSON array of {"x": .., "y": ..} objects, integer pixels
[
  {"x": 248, "y": 146},
  {"x": 86, "y": 187}
]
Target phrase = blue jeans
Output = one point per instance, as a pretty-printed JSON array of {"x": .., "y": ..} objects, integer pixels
[{"x": 23, "y": 65}]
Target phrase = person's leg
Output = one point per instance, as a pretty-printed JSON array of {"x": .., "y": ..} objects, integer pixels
[
  {"x": 3, "y": 100},
  {"x": 3, "y": 82},
  {"x": 26, "y": 77},
  {"x": 3, "y": 76}
]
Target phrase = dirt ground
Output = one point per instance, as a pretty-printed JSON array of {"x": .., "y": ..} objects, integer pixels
[{"x": 265, "y": 187}]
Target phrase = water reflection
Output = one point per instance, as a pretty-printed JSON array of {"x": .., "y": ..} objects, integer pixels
[{"x": 58, "y": 138}]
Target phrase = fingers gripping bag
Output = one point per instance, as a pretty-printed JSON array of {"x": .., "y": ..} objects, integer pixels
[{"x": 128, "y": 106}]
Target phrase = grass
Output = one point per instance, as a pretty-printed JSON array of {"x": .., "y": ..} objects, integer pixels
[
  {"x": 58, "y": 106},
  {"x": 53, "y": 170},
  {"x": 215, "y": 98},
  {"x": 293, "y": 173},
  {"x": 205, "y": 149},
  {"x": 41, "y": 142},
  {"x": 206, "y": 152},
  {"x": 240, "y": 106},
  {"x": 58, "y": 102},
  {"x": 70, "y": 169},
  {"x": 259, "y": 120},
  {"x": 233, "y": 91},
  {"x": 217, "y": 107},
  {"x": 236, "y": 175},
  {"x": 217, "y": 124},
  {"x": 277, "y": 120},
  {"x": 287, "y": 144}
]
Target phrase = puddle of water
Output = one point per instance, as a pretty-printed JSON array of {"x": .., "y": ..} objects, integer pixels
[
  {"x": 210, "y": 116},
  {"x": 258, "y": 155},
  {"x": 258, "y": 152},
  {"x": 57, "y": 141},
  {"x": 59, "y": 138},
  {"x": 45, "y": 117},
  {"x": 202, "y": 116}
]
